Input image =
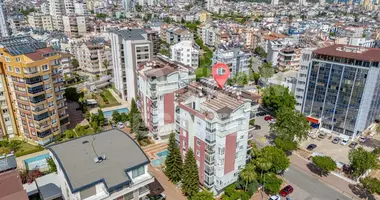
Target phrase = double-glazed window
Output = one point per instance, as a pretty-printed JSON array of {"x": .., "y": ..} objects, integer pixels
[{"x": 138, "y": 172}]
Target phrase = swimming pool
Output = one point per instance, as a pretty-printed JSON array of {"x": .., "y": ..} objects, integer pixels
[
  {"x": 108, "y": 114},
  {"x": 161, "y": 158},
  {"x": 38, "y": 162}
]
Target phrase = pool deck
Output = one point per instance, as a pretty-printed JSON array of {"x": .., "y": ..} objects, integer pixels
[
  {"x": 124, "y": 104},
  {"x": 20, "y": 160},
  {"x": 152, "y": 150}
]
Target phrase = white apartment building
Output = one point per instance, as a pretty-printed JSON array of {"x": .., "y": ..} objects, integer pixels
[
  {"x": 215, "y": 125},
  {"x": 157, "y": 80},
  {"x": 299, "y": 92},
  {"x": 89, "y": 168},
  {"x": 92, "y": 56},
  {"x": 363, "y": 42},
  {"x": 130, "y": 48},
  {"x": 212, "y": 3},
  {"x": 234, "y": 57},
  {"x": 59, "y": 8},
  {"x": 4, "y": 29},
  {"x": 185, "y": 53},
  {"x": 175, "y": 35},
  {"x": 74, "y": 25},
  {"x": 80, "y": 8},
  {"x": 40, "y": 21}
]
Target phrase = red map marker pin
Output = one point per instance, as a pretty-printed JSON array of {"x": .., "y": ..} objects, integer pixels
[{"x": 220, "y": 72}]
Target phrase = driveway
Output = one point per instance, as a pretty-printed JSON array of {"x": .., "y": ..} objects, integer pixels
[
  {"x": 261, "y": 136},
  {"x": 169, "y": 189}
]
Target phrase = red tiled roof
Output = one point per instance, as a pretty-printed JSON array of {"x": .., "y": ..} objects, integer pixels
[
  {"x": 11, "y": 187},
  {"x": 368, "y": 54},
  {"x": 38, "y": 55}
]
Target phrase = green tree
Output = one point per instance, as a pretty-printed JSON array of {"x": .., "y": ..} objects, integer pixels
[
  {"x": 361, "y": 160},
  {"x": 190, "y": 176},
  {"x": 290, "y": 125},
  {"x": 325, "y": 164},
  {"x": 278, "y": 96},
  {"x": 138, "y": 7},
  {"x": 266, "y": 70},
  {"x": 101, "y": 118},
  {"x": 124, "y": 117},
  {"x": 260, "y": 51},
  {"x": 173, "y": 162},
  {"x": 116, "y": 117},
  {"x": 278, "y": 158},
  {"x": 133, "y": 112},
  {"x": 51, "y": 164},
  {"x": 248, "y": 174},
  {"x": 14, "y": 145},
  {"x": 271, "y": 183},
  {"x": 284, "y": 144},
  {"x": 203, "y": 195},
  {"x": 139, "y": 128},
  {"x": 202, "y": 72},
  {"x": 371, "y": 184},
  {"x": 254, "y": 77},
  {"x": 255, "y": 152},
  {"x": 71, "y": 94},
  {"x": 69, "y": 134}
]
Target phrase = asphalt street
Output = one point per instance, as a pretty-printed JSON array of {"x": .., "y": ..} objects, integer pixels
[{"x": 308, "y": 187}]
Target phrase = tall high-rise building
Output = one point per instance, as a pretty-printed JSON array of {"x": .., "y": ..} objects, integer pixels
[
  {"x": 4, "y": 29},
  {"x": 274, "y": 2},
  {"x": 130, "y": 48},
  {"x": 128, "y": 6},
  {"x": 185, "y": 53},
  {"x": 215, "y": 125},
  {"x": 157, "y": 80},
  {"x": 59, "y": 8},
  {"x": 342, "y": 88},
  {"x": 32, "y": 101}
]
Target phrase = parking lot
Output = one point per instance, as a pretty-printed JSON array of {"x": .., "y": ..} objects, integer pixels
[
  {"x": 325, "y": 146},
  {"x": 261, "y": 136}
]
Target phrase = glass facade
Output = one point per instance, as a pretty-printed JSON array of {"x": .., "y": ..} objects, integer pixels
[{"x": 334, "y": 95}]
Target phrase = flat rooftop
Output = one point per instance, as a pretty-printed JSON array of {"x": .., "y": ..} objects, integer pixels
[
  {"x": 77, "y": 159},
  {"x": 351, "y": 52},
  {"x": 11, "y": 187},
  {"x": 21, "y": 45}
]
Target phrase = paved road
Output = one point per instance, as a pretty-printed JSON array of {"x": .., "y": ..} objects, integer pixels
[{"x": 308, "y": 187}]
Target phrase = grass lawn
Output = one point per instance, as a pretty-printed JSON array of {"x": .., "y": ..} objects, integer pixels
[
  {"x": 24, "y": 149},
  {"x": 105, "y": 99}
]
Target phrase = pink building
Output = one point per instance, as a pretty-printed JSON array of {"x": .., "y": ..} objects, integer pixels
[
  {"x": 157, "y": 80},
  {"x": 215, "y": 125}
]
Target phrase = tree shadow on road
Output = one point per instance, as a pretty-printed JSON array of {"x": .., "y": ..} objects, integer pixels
[
  {"x": 315, "y": 169},
  {"x": 361, "y": 192}
]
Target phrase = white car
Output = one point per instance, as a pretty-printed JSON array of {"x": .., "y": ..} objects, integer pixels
[
  {"x": 362, "y": 139},
  {"x": 275, "y": 197},
  {"x": 120, "y": 125},
  {"x": 344, "y": 142}
]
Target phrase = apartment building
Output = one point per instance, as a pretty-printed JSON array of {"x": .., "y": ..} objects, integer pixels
[
  {"x": 215, "y": 125},
  {"x": 33, "y": 89},
  {"x": 130, "y": 48},
  {"x": 342, "y": 91},
  {"x": 4, "y": 28},
  {"x": 80, "y": 8},
  {"x": 175, "y": 35},
  {"x": 185, "y": 52},
  {"x": 67, "y": 66},
  {"x": 74, "y": 25},
  {"x": 236, "y": 58},
  {"x": 105, "y": 166},
  {"x": 157, "y": 80},
  {"x": 40, "y": 21},
  {"x": 289, "y": 58},
  {"x": 94, "y": 56},
  {"x": 59, "y": 8},
  {"x": 154, "y": 37},
  {"x": 204, "y": 16}
]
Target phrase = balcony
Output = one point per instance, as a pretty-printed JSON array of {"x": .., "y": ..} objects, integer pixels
[
  {"x": 34, "y": 91},
  {"x": 209, "y": 159},
  {"x": 210, "y": 139},
  {"x": 33, "y": 81},
  {"x": 37, "y": 99},
  {"x": 63, "y": 116},
  {"x": 41, "y": 116},
  {"x": 209, "y": 170},
  {"x": 209, "y": 183},
  {"x": 44, "y": 134},
  {"x": 38, "y": 110},
  {"x": 210, "y": 149},
  {"x": 64, "y": 121},
  {"x": 43, "y": 127}
]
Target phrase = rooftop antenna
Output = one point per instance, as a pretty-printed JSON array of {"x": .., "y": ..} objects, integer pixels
[{"x": 98, "y": 158}]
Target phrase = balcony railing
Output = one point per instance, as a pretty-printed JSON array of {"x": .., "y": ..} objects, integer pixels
[
  {"x": 37, "y": 99},
  {"x": 210, "y": 149},
  {"x": 41, "y": 116},
  {"x": 44, "y": 133},
  {"x": 34, "y": 80},
  {"x": 209, "y": 171}
]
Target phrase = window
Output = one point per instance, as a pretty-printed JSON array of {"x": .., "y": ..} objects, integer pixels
[
  {"x": 9, "y": 68},
  {"x": 45, "y": 67},
  {"x": 138, "y": 172},
  {"x": 5, "y": 111},
  {"x": 221, "y": 151},
  {"x": 17, "y": 69},
  {"x": 6, "y": 119},
  {"x": 7, "y": 59},
  {"x": 18, "y": 59},
  {"x": 198, "y": 153}
]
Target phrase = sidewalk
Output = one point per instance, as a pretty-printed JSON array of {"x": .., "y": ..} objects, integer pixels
[
  {"x": 332, "y": 180},
  {"x": 118, "y": 99},
  {"x": 171, "y": 191}
]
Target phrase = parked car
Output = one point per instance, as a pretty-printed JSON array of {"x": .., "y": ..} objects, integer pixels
[
  {"x": 286, "y": 191},
  {"x": 275, "y": 197},
  {"x": 157, "y": 197},
  {"x": 268, "y": 117},
  {"x": 260, "y": 113},
  {"x": 353, "y": 145},
  {"x": 322, "y": 135},
  {"x": 120, "y": 124},
  {"x": 335, "y": 140},
  {"x": 113, "y": 126},
  {"x": 344, "y": 142},
  {"x": 312, "y": 135},
  {"x": 363, "y": 139},
  {"x": 311, "y": 147},
  {"x": 257, "y": 127}
]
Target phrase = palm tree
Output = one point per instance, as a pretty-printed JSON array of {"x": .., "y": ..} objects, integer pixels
[
  {"x": 263, "y": 164},
  {"x": 248, "y": 174},
  {"x": 255, "y": 152}
]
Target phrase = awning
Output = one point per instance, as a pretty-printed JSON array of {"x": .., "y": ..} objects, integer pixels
[{"x": 312, "y": 120}]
